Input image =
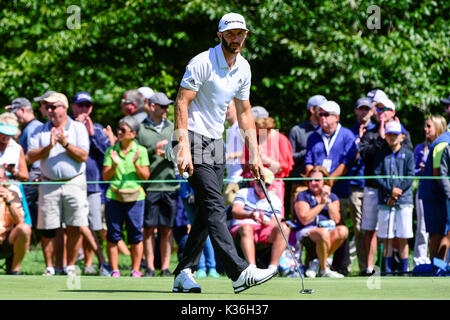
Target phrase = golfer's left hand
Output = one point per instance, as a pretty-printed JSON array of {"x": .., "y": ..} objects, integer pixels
[{"x": 257, "y": 170}]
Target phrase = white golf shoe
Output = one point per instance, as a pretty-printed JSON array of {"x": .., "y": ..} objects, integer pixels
[
  {"x": 252, "y": 276},
  {"x": 184, "y": 282}
]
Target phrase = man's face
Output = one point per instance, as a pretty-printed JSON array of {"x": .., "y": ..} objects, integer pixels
[
  {"x": 128, "y": 106},
  {"x": 328, "y": 121},
  {"x": 20, "y": 115},
  {"x": 363, "y": 114},
  {"x": 56, "y": 112},
  {"x": 159, "y": 111},
  {"x": 383, "y": 113},
  {"x": 233, "y": 40},
  {"x": 84, "y": 108}
]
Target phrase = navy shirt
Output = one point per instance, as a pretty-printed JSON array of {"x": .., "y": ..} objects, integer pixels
[
  {"x": 308, "y": 196},
  {"x": 98, "y": 144},
  {"x": 358, "y": 167}
]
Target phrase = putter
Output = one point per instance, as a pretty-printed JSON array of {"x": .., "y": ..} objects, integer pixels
[{"x": 304, "y": 291}]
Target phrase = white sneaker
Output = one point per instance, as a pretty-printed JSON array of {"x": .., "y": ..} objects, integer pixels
[
  {"x": 73, "y": 270},
  {"x": 49, "y": 271},
  {"x": 328, "y": 273},
  {"x": 184, "y": 282},
  {"x": 313, "y": 268},
  {"x": 252, "y": 276}
]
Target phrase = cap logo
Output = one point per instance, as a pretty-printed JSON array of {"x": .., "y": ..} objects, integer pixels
[
  {"x": 84, "y": 96},
  {"x": 232, "y": 21}
]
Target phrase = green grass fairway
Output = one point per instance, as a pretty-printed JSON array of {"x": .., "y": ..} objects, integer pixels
[{"x": 159, "y": 288}]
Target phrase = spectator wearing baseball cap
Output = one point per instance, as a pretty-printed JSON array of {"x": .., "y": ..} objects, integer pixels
[
  {"x": 333, "y": 147},
  {"x": 41, "y": 101},
  {"x": 372, "y": 142},
  {"x": 275, "y": 150},
  {"x": 298, "y": 137},
  {"x": 395, "y": 200},
  {"x": 363, "y": 124},
  {"x": 82, "y": 107},
  {"x": 161, "y": 197},
  {"x": 62, "y": 146},
  {"x": 23, "y": 110}
]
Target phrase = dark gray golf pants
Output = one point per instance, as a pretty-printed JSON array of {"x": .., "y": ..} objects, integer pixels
[{"x": 207, "y": 179}]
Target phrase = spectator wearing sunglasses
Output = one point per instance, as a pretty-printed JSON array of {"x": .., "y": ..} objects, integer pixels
[
  {"x": 372, "y": 142},
  {"x": 333, "y": 147},
  {"x": 363, "y": 112},
  {"x": 82, "y": 107},
  {"x": 62, "y": 146},
  {"x": 162, "y": 197}
]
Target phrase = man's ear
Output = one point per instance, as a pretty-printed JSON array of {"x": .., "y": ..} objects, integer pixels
[{"x": 219, "y": 34}]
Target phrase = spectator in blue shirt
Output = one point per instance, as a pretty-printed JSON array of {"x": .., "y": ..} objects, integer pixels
[
  {"x": 333, "y": 147},
  {"x": 82, "y": 107},
  {"x": 364, "y": 112}
]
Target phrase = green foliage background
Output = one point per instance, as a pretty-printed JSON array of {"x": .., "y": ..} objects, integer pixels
[{"x": 296, "y": 49}]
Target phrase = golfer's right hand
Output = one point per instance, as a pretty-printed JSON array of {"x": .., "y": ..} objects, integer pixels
[{"x": 184, "y": 159}]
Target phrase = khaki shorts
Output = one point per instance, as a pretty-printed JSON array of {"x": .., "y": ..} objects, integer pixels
[{"x": 63, "y": 203}]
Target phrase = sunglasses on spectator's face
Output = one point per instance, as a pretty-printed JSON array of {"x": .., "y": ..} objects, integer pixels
[
  {"x": 324, "y": 114},
  {"x": 84, "y": 104},
  {"x": 126, "y": 101},
  {"x": 163, "y": 107},
  {"x": 123, "y": 130},
  {"x": 383, "y": 109},
  {"x": 52, "y": 107}
]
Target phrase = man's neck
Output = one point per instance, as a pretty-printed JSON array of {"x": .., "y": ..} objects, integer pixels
[{"x": 155, "y": 119}]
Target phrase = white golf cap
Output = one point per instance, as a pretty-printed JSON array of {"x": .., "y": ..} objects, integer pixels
[
  {"x": 146, "y": 92},
  {"x": 232, "y": 21},
  {"x": 386, "y": 102},
  {"x": 331, "y": 107}
]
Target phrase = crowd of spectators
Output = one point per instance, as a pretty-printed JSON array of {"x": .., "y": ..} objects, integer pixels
[{"x": 88, "y": 184}]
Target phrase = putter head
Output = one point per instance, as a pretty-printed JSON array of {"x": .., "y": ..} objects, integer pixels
[{"x": 307, "y": 291}]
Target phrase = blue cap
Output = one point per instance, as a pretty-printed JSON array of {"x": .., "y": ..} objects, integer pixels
[
  {"x": 316, "y": 100},
  {"x": 82, "y": 96},
  {"x": 363, "y": 102}
]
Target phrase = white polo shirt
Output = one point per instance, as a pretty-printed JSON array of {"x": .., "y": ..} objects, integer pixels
[{"x": 216, "y": 84}]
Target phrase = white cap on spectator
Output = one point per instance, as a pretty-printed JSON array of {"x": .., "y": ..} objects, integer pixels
[
  {"x": 387, "y": 103},
  {"x": 331, "y": 107},
  {"x": 146, "y": 92}
]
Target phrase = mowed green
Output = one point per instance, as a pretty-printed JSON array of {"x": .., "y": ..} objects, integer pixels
[{"x": 160, "y": 288}]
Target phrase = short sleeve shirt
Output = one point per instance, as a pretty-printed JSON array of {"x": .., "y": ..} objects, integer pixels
[
  {"x": 59, "y": 165},
  {"x": 308, "y": 197},
  {"x": 250, "y": 200},
  {"x": 125, "y": 176},
  {"x": 216, "y": 84}
]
